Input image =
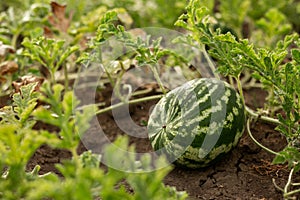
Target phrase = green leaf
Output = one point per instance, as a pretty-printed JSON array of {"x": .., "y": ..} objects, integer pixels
[
  {"x": 200, "y": 13},
  {"x": 46, "y": 116},
  {"x": 90, "y": 160},
  {"x": 181, "y": 23},
  {"x": 279, "y": 159},
  {"x": 296, "y": 55},
  {"x": 66, "y": 54},
  {"x": 82, "y": 119},
  {"x": 290, "y": 154},
  {"x": 67, "y": 103}
]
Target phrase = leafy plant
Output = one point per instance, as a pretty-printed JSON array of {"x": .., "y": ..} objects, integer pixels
[
  {"x": 157, "y": 14},
  {"x": 270, "y": 56},
  {"x": 82, "y": 177},
  {"x": 18, "y": 142},
  {"x": 142, "y": 50},
  {"x": 271, "y": 28},
  {"x": 50, "y": 53},
  {"x": 279, "y": 77},
  {"x": 16, "y": 23}
]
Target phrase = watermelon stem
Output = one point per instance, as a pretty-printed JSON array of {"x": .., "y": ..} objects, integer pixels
[
  {"x": 240, "y": 88},
  {"x": 256, "y": 142},
  {"x": 128, "y": 103},
  {"x": 156, "y": 76},
  {"x": 210, "y": 62},
  {"x": 264, "y": 118},
  {"x": 276, "y": 186},
  {"x": 288, "y": 184}
]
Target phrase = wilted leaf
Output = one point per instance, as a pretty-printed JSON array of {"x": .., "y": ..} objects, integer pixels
[
  {"x": 25, "y": 80},
  {"x": 58, "y": 19},
  {"x": 47, "y": 32},
  {"x": 4, "y": 49},
  {"x": 8, "y": 67}
]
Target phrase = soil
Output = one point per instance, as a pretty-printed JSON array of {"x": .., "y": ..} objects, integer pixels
[{"x": 244, "y": 173}]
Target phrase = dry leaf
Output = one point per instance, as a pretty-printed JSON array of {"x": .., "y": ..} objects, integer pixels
[
  {"x": 4, "y": 49},
  {"x": 58, "y": 18},
  {"x": 25, "y": 80},
  {"x": 48, "y": 32},
  {"x": 8, "y": 67}
]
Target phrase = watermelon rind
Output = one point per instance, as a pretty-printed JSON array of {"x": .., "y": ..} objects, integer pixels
[{"x": 196, "y": 123}]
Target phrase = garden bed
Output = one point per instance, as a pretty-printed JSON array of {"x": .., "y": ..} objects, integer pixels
[
  {"x": 60, "y": 64},
  {"x": 245, "y": 173}
]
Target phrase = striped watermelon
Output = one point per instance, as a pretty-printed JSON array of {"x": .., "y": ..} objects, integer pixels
[{"x": 197, "y": 122}]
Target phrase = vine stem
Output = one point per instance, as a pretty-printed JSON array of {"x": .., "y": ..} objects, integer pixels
[
  {"x": 15, "y": 38},
  {"x": 264, "y": 118},
  {"x": 210, "y": 63},
  {"x": 240, "y": 88},
  {"x": 156, "y": 76},
  {"x": 292, "y": 192},
  {"x": 129, "y": 102},
  {"x": 66, "y": 77},
  {"x": 85, "y": 106},
  {"x": 139, "y": 92},
  {"x": 286, "y": 187},
  {"x": 75, "y": 157},
  {"x": 256, "y": 142},
  {"x": 276, "y": 186}
]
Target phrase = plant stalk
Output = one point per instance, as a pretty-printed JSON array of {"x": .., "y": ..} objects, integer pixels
[
  {"x": 129, "y": 102},
  {"x": 66, "y": 77},
  {"x": 286, "y": 187},
  {"x": 210, "y": 63},
  {"x": 156, "y": 76},
  {"x": 256, "y": 142},
  {"x": 264, "y": 118},
  {"x": 240, "y": 89}
]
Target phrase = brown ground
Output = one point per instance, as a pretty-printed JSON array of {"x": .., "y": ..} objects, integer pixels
[{"x": 245, "y": 173}]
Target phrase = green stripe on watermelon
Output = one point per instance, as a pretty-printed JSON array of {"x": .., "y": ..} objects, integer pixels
[{"x": 197, "y": 122}]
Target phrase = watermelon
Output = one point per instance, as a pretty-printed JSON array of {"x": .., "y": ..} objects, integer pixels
[{"x": 196, "y": 123}]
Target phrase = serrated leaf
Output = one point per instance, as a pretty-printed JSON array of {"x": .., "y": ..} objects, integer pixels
[
  {"x": 201, "y": 13},
  {"x": 26, "y": 113},
  {"x": 228, "y": 37},
  {"x": 296, "y": 55},
  {"x": 46, "y": 116},
  {"x": 90, "y": 160},
  {"x": 268, "y": 63},
  {"x": 66, "y": 54},
  {"x": 67, "y": 103}
]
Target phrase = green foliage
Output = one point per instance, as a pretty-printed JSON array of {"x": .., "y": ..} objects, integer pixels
[
  {"x": 263, "y": 22},
  {"x": 72, "y": 125},
  {"x": 260, "y": 7},
  {"x": 18, "y": 142},
  {"x": 24, "y": 104},
  {"x": 157, "y": 13},
  {"x": 290, "y": 154},
  {"x": 87, "y": 181},
  {"x": 138, "y": 174},
  {"x": 270, "y": 63},
  {"x": 145, "y": 49},
  {"x": 241, "y": 35},
  {"x": 237, "y": 15},
  {"x": 82, "y": 177},
  {"x": 50, "y": 53},
  {"x": 15, "y": 22},
  {"x": 271, "y": 28}
]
